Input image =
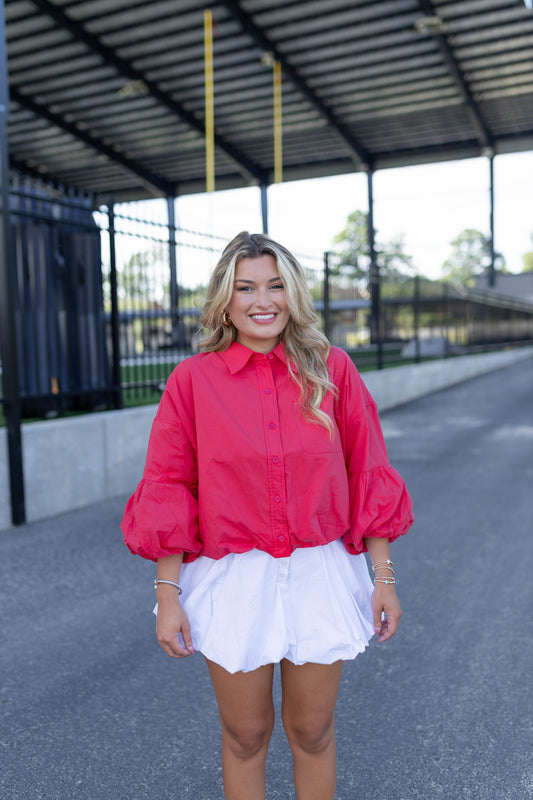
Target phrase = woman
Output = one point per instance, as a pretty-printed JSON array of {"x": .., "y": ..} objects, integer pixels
[{"x": 266, "y": 479}]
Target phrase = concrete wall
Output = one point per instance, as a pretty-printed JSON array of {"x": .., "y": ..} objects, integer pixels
[
  {"x": 74, "y": 462},
  {"x": 397, "y": 385}
]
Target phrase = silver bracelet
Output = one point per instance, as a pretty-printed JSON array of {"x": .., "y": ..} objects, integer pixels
[{"x": 171, "y": 583}]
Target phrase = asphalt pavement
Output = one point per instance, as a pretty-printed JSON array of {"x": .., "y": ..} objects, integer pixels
[{"x": 92, "y": 709}]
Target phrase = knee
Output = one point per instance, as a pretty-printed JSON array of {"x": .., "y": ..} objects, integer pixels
[
  {"x": 248, "y": 739},
  {"x": 310, "y": 736}
]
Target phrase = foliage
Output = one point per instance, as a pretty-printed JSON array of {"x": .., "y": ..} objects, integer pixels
[
  {"x": 144, "y": 277},
  {"x": 144, "y": 282},
  {"x": 192, "y": 297},
  {"x": 527, "y": 260},
  {"x": 353, "y": 252},
  {"x": 470, "y": 256}
]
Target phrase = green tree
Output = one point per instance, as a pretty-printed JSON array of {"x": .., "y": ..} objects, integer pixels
[
  {"x": 353, "y": 252},
  {"x": 527, "y": 260},
  {"x": 144, "y": 278},
  {"x": 352, "y": 246},
  {"x": 470, "y": 256}
]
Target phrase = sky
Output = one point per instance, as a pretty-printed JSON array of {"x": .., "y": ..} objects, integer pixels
[{"x": 428, "y": 205}]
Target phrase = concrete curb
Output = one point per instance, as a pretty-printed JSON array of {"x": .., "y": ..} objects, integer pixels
[
  {"x": 79, "y": 461},
  {"x": 398, "y": 385}
]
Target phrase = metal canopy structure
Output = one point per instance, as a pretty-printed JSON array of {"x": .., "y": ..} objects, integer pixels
[{"x": 108, "y": 95}]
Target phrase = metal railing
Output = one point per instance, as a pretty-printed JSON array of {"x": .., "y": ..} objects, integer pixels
[
  {"x": 418, "y": 318},
  {"x": 105, "y": 303}
]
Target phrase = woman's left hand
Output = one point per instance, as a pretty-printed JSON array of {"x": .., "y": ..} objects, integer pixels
[{"x": 385, "y": 601}]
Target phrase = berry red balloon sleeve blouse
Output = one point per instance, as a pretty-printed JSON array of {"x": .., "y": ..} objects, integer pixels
[{"x": 233, "y": 464}]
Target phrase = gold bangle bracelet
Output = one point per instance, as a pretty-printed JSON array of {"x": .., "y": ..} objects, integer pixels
[{"x": 387, "y": 563}]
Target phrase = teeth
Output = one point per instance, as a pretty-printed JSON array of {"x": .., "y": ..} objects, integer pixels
[{"x": 263, "y": 316}]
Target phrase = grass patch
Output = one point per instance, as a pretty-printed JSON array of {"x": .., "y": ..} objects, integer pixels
[{"x": 143, "y": 384}]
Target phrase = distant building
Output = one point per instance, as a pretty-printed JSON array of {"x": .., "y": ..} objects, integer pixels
[{"x": 518, "y": 286}]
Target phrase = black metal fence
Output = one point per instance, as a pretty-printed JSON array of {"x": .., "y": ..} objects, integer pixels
[
  {"x": 416, "y": 318},
  {"x": 60, "y": 330},
  {"x": 161, "y": 274},
  {"x": 106, "y": 302}
]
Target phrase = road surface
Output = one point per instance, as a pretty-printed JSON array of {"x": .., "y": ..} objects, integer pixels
[{"x": 92, "y": 709}]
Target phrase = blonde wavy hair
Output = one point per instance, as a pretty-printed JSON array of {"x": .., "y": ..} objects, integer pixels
[{"x": 305, "y": 345}]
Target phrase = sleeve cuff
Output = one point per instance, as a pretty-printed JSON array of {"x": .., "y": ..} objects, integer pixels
[
  {"x": 161, "y": 519},
  {"x": 381, "y": 507}
]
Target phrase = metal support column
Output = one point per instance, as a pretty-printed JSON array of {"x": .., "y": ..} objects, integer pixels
[
  {"x": 447, "y": 320},
  {"x": 115, "y": 317},
  {"x": 177, "y": 338},
  {"x": 8, "y": 331},
  {"x": 375, "y": 322},
  {"x": 264, "y": 206},
  {"x": 492, "y": 269},
  {"x": 327, "y": 310},
  {"x": 416, "y": 317}
]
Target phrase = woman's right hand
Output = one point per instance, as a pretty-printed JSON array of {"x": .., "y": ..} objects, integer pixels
[{"x": 171, "y": 621}]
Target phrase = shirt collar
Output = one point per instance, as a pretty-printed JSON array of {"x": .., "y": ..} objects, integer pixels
[{"x": 237, "y": 356}]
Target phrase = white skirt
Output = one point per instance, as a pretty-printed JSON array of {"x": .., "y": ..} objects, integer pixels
[{"x": 250, "y": 609}]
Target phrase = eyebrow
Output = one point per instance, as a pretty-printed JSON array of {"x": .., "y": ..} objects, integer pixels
[{"x": 243, "y": 280}]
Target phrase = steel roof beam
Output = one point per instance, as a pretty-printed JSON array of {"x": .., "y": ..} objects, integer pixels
[
  {"x": 359, "y": 152},
  {"x": 93, "y": 141},
  {"x": 483, "y": 133},
  {"x": 125, "y": 68}
]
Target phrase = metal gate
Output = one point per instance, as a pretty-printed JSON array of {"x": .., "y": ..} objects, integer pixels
[{"x": 59, "y": 312}]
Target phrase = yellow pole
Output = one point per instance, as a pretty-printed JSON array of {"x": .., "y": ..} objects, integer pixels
[
  {"x": 209, "y": 103},
  {"x": 278, "y": 153}
]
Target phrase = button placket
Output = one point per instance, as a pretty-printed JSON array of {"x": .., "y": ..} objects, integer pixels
[{"x": 276, "y": 478}]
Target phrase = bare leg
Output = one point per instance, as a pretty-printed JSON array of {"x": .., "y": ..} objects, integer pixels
[
  {"x": 308, "y": 712},
  {"x": 247, "y": 719}
]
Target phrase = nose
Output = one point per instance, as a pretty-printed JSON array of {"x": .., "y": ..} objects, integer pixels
[{"x": 262, "y": 299}]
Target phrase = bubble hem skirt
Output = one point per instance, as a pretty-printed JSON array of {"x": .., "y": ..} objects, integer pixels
[{"x": 250, "y": 609}]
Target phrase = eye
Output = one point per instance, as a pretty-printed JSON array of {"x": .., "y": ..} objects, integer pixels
[
  {"x": 243, "y": 288},
  {"x": 277, "y": 286}
]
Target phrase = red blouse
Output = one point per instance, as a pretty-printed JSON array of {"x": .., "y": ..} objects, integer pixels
[{"x": 233, "y": 464}]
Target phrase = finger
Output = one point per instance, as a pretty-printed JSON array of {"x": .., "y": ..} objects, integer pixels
[
  {"x": 385, "y": 632},
  {"x": 388, "y": 628},
  {"x": 377, "y": 611},
  {"x": 168, "y": 638},
  {"x": 173, "y": 648},
  {"x": 187, "y": 638}
]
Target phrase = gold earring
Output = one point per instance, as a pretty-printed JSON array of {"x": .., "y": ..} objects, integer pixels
[{"x": 226, "y": 319}]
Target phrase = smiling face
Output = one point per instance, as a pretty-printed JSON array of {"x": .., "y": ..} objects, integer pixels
[{"x": 258, "y": 308}]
